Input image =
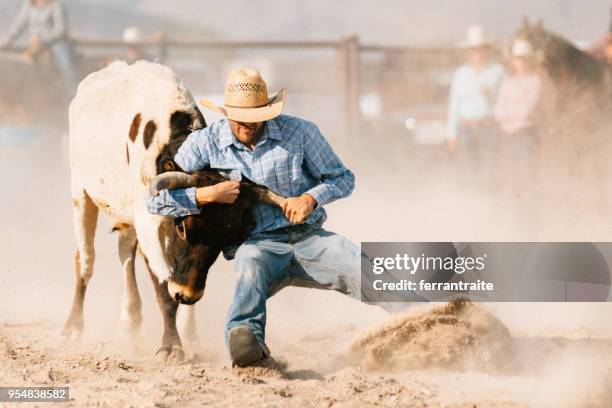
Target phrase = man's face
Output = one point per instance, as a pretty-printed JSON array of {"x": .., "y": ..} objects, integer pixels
[
  {"x": 520, "y": 65},
  {"x": 247, "y": 133},
  {"x": 477, "y": 56}
]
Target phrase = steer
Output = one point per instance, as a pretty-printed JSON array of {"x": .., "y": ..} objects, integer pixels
[{"x": 124, "y": 121}]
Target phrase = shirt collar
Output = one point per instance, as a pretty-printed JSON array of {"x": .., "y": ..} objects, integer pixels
[{"x": 226, "y": 137}]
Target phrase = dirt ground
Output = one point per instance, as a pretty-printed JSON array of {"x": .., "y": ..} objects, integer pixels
[
  {"x": 561, "y": 354},
  {"x": 542, "y": 372}
]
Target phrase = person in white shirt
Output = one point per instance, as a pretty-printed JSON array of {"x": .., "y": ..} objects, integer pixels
[{"x": 472, "y": 98}]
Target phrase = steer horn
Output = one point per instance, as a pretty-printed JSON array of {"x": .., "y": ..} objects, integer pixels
[{"x": 171, "y": 180}]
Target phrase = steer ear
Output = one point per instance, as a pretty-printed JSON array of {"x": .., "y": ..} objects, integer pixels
[
  {"x": 179, "y": 224},
  {"x": 168, "y": 165}
]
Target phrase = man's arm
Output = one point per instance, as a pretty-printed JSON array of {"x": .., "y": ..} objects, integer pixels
[
  {"x": 453, "y": 117},
  {"x": 20, "y": 24},
  {"x": 503, "y": 104},
  {"x": 181, "y": 201},
  {"x": 322, "y": 162},
  {"x": 336, "y": 181}
]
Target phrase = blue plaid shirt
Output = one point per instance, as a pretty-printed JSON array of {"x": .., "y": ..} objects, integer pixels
[{"x": 291, "y": 158}]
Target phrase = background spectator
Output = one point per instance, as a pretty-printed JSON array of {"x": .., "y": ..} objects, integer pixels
[
  {"x": 472, "y": 97},
  {"x": 516, "y": 111},
  {"x": 47, "y": 27}
]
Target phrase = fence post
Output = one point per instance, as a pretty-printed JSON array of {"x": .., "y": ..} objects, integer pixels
[
  {"x": 348, "y": 84},
  {"x": 163, "y": 47}
]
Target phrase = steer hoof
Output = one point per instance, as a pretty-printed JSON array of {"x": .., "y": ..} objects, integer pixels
[
  {"x": 172, "y": 354},
  {"x": 72, "y": 332},
  {"x": 129, "y": 330}
]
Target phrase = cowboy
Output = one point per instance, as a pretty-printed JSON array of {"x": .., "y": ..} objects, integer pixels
[
  {"x": 288, "y": 245},
  {"x": 131, "y": 37},
  {"x": 519, "y": 93},
  {"x": 516, "y": 114},
  {"x": 602, "y": 49},
  {"x": 48, "y": 29},
  {"x": 472, "y": 96}
]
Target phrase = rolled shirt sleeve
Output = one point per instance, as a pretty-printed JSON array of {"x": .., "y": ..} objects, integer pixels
[
  {"x": 322, "y": 163},
  {"x": 176, "y": 203},
  {"x": 181, "y": 202}
]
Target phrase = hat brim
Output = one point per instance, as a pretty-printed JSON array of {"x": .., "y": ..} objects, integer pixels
[
  {"x": 468, "y": 46},
  {"x": 275, "y": 106}
]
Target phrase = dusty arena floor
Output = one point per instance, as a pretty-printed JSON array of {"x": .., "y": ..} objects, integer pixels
[
  {"x": 561, "y": 355},
  {"x": 548, "y": 372}
]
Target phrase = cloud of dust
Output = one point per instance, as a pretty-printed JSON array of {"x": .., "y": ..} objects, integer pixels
[
  {"x": 454, "y": 336},
  {"x": 405, "y": 192}
]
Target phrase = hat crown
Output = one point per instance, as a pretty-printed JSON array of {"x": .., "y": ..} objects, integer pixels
[
  {"x": 521, "y": 48},
  {"x": 476, "y": 36},
  {"x": 245, "y": 88},
  {"x": 132, "y": 35}
]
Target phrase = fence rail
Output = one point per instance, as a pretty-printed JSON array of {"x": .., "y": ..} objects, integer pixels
[{"x": 348, "y": 51}]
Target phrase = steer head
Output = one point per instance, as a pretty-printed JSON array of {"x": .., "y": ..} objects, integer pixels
[{"x": 201, "y": 237}]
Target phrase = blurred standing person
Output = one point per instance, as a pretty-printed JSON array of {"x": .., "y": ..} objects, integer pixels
[
  {"x": 602, "y": 49},
  {"x": 136, "y": 45},
  {"x": 516, "y": 109},
  {"x": 472, "y": 97},
  {"x": 47, "y": 25},
  {"x": 516, "y": 112},
  {"x": 131, "y": 37}
]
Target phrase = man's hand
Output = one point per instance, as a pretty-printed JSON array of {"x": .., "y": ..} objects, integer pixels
[
  {"x": 225, "y": 193},
  {"x": 452, "y": 145},
  {"x": 36, "y": 46},
  {"x": 297, "y": 209},
  {"x": 35, "y": 42},
  {"x": 484, "y": 89}
]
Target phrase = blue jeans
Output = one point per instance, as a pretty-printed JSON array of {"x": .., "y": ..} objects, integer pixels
[
  {"x": 63, "y": 58},
  {"x": 303, "y": 255}
]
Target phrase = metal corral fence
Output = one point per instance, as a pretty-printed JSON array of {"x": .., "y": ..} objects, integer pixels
[{"x": 339, "y": 83}]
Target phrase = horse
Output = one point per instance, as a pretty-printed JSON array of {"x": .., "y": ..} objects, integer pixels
[
  {"x": 575, "y": 129},
  {"x": 581, "y": 82}
]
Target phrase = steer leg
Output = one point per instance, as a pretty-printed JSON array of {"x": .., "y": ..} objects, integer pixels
[
  {"x": 131, "y": 305},
  {"x": 171, "y": 349},
  {"x": 84, "y": 218},
  {"x": 189, "y": 326}
]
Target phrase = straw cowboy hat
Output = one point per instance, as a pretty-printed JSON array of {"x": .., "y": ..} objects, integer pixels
[
  {"x": 246, "y": 98},
  {"x": 476, "y": 38},
  {"x": 521, "y": 48}
]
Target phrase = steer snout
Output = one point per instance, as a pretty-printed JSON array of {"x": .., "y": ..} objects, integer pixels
[{"x": 185, "y": 294}]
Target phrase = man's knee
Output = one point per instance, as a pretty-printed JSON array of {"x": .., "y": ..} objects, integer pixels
[
  {"x": 247, "y": 257},
  {"x": 333, "y": 249},
  {"x": 257, "y": 265}
]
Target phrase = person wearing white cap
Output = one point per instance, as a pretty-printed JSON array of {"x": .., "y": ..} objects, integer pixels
[
  {"x": 472, "y": 96},
  {"x": 131, "y": 37},
  {"x": 515, "y": 112}
]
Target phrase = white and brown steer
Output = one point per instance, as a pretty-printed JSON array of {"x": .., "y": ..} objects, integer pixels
[{"x": 126, "y": 123}]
